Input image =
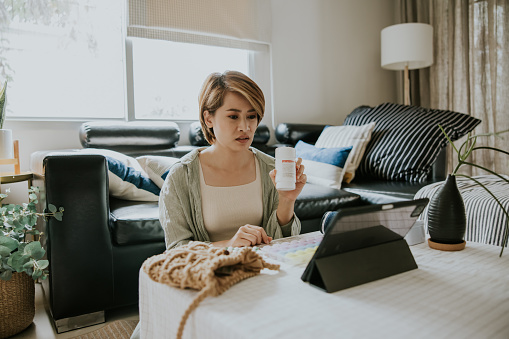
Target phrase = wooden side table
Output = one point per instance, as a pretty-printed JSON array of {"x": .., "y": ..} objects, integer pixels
[
  {"x": 9, "y": 178},
  {"x": 15, "y": 160},
  {"x": 17, "y": 176}
]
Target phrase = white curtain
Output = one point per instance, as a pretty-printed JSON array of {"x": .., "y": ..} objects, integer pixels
[{"x": 470, "y": 73}]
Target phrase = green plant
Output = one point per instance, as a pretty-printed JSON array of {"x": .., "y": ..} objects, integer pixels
[
  {"x": 18, "y": 253},
  {"x": 2, "y": 105},
  {"x": 464, "y": 152}
]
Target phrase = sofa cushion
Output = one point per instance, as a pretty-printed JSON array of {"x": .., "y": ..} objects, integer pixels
[
  {"x": 375, "y": 191},
  {"x": 135, "y": 222},
  {"x": 315, "y": 200},
  {"x": 406, "y": 140}
]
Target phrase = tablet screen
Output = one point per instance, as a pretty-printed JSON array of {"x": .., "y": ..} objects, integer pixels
[{"x": 359, "y": 227}]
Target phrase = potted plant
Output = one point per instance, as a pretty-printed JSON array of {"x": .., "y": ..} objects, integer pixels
[
  {"x": 21, "y": 261},
  {"x": 446, "y": 212},
  {"x": 6, "y": 151}
]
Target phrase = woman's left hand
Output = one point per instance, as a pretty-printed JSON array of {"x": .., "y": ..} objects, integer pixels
[{"x": 300, "y": 181}]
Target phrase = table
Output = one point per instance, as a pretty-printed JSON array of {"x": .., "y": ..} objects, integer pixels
[
  {"x": 461, "y": 294},
  {"x": 9, "y": 178}
]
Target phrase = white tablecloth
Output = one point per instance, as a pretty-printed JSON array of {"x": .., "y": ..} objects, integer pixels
[{"x": 461, "y": 294}]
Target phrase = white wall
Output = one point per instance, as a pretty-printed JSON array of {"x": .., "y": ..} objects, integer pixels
[
  {"x": 326, "y": 58},
  {"x": 325, "y": 62}
]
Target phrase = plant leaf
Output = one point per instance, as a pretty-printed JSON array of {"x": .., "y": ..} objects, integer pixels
[
  {"x": 52, "y": 208},
  {"x": 6, "y": 275},
  {"x": 4, "y": 251},
  {"x": 28, "y": 264},
  {"x": 17, "y": 260},
  {"x": 58, "y": 216},
  {"x": 3, "y": 93},
  {"x": 8, "y": 242},
  {"x": 36, "y": 274},
  {"x": 35, "y": 250},
  {"x": 42, "y": 264}
]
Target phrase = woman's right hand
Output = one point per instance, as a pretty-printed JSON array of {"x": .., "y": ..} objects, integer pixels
[{"x": 249, "y": 235}]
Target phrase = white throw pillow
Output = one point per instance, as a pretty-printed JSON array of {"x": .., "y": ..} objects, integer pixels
[
  {"x": 157, "y": 167},
  {"x": 343, "y": 136},
  {"x": 322, "y": 174},
  {"x": 127, "y": 180},
  {"x": 323, "y": 166}
]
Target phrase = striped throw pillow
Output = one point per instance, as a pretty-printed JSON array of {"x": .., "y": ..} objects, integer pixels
[{"x": 406, "y": 140}]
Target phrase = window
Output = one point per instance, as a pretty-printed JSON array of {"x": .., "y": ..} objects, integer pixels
[
  {"x": 71, "y": 60},
  {"x": 63, "y": 59},
  {"x": 167, "y": 76}
]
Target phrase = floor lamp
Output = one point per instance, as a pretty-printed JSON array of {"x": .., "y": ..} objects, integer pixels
[{"x": 407, "y": 46}]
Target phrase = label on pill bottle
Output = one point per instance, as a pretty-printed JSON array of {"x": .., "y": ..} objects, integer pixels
[{"x": 285, "y": 168}]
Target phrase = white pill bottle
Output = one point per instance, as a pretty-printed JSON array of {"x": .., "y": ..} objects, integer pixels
[{"x": 285, "y": 168}]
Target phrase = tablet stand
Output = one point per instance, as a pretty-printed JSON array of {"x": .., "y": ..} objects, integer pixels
[{"x": 382, "y": 253}]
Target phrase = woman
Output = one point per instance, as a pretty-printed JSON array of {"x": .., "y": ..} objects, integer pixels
[{"x": 222, "y": 194}]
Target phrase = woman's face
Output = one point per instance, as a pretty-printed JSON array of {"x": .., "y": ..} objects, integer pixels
[{"x": 234, "y": 123}]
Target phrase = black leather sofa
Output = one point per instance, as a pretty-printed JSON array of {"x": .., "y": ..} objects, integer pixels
[{"x": 96, "y": 251}]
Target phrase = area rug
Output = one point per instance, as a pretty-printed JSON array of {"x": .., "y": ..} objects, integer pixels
[{"x": 120, "y": 329}]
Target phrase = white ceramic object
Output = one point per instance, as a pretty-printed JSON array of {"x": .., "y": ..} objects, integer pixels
[{"x": 6, "y": 146}]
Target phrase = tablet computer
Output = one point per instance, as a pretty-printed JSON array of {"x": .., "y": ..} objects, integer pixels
[{"x": 367, "y": 240}]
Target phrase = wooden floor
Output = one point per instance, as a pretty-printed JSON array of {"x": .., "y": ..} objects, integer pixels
[{"x": 42, "y": 327}]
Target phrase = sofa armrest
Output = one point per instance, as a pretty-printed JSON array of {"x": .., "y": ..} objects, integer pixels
[{"x": 78, "y": 247}]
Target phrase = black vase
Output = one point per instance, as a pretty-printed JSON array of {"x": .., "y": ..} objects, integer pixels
[{"x": 447, "y": 220}]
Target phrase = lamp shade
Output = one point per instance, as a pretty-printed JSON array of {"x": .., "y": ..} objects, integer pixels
[{"x": 407, "y": 44}]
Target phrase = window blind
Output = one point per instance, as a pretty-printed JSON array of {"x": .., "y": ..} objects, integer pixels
[{"x": 244, "y": 24}]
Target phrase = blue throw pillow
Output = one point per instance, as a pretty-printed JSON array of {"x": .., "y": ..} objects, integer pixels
[
  {"x": 332, "y": 156},
  {"x": 323, "y": 166},
  {"x": 130, "y": 175}
]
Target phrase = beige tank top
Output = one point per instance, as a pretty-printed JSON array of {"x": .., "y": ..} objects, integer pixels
[{"x": 225, "y": 209}]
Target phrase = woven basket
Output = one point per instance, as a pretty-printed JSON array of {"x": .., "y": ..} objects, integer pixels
[{"x": 17, "y": 300}]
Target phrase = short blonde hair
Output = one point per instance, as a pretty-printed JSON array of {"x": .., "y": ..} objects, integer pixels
[{"x": 214, "y": 89}]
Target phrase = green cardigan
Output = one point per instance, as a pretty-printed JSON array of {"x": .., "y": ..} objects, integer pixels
[{"x": 180, "y": 209}]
